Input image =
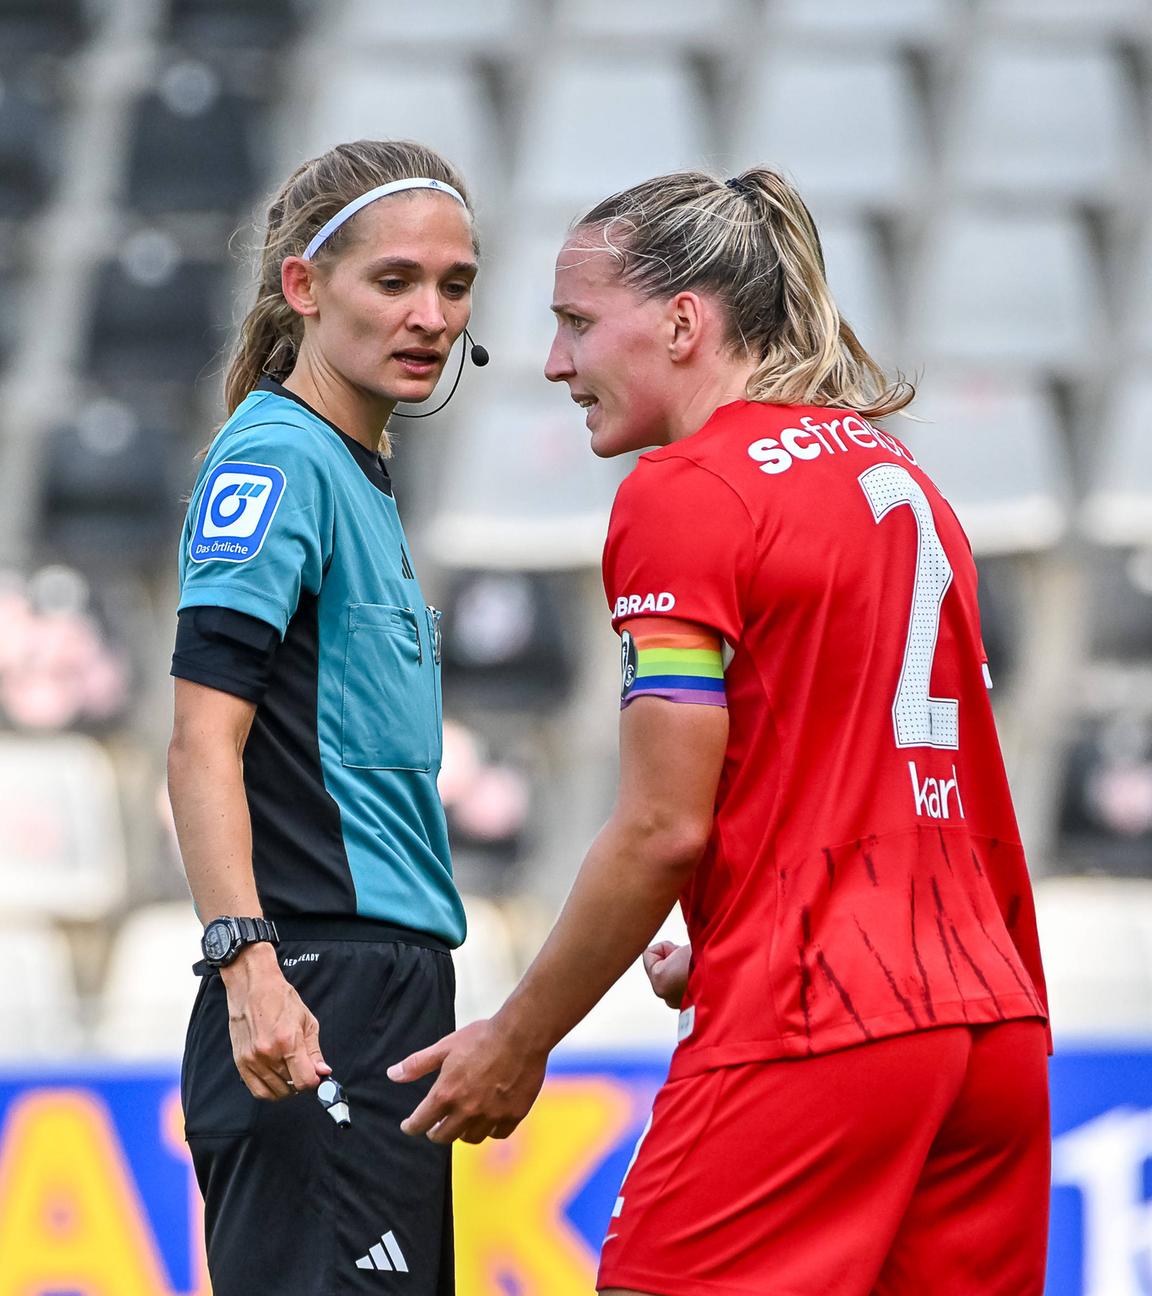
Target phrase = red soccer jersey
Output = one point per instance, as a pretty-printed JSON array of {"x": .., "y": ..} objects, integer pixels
[{"x": 864, "y": 876}]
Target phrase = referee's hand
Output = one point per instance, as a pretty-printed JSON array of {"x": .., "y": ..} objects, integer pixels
[
  {"x": 486, "y": 1086},
  {"x": 275, "y": 1039}
]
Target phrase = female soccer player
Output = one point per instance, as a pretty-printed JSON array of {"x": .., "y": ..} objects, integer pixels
[
  {"x": 858, "y": 1100},
  {"x": 307, "y": 741}
]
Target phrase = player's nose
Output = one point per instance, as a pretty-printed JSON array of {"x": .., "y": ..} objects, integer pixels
[{"x": 558, "y": 367}]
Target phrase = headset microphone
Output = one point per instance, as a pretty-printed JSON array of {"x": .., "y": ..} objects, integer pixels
[{"x": 479, "y": 357}]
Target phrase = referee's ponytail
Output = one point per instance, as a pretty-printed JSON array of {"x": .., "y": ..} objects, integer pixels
[
  {"x": 271, "y": 333},
  {"x": 752, "y": 243}
]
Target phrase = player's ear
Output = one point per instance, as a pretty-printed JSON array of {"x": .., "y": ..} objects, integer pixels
[
  {"x": 297, "y": 285},
  {"x": 684, "y": 321}
]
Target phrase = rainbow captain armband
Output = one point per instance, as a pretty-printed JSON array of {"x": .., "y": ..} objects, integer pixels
[{"x": 680, "y": 665}]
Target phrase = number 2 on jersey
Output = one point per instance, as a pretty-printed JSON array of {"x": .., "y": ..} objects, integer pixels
[{"x": 918, "y": 719}]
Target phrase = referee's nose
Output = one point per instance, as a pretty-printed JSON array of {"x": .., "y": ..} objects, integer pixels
[{"x": 427, "y": 314}]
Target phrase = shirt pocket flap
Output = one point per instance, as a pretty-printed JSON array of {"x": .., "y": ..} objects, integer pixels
[{"x": 389, "y": 704}]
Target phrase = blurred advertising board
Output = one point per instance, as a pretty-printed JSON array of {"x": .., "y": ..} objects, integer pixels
[{"x": 97, "y": 1196}]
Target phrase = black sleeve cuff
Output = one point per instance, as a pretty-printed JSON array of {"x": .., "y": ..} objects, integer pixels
[{"x": 226, "y": 650}]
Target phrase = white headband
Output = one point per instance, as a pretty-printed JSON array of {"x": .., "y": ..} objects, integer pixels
[{"x": 382, "y": 191}]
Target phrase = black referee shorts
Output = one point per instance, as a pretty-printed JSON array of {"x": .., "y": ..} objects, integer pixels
[{"x": 294, "y": 1205}]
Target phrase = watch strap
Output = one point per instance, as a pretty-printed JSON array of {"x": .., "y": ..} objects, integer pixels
[{"x": 256, "y": 929}]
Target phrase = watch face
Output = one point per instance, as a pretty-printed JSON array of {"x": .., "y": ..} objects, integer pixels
[{"x": 217, "y": 940}]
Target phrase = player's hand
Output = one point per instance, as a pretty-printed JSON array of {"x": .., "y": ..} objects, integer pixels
[
  {"x": 667, "y": 966},
  {"x": 487, "y": 1084},
  {"x": 275, "y": 1039}
]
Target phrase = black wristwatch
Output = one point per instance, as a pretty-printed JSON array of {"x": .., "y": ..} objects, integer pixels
[{"x": 225, "y": 937}]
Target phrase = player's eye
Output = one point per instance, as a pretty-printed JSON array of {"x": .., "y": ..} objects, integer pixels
[
  {"x": 458, "y": 289},
  {"x": 393, "y": 284},
  {"x": 578, "y": 323}
]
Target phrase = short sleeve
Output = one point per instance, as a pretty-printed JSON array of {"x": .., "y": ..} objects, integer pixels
[
  {"x": 260, "y": 524},
  {"x": 680, "y": 543}
]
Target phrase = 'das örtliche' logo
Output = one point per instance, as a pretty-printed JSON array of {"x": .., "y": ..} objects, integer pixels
[{"x": 236, "y": 508}]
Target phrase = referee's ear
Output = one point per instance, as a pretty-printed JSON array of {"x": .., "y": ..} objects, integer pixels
[{"x": 296, "y": 283}]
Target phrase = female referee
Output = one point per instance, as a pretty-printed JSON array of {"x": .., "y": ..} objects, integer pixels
[
  {"x": 306, "y": 744},
  {"x": 858, "y": 1100}
]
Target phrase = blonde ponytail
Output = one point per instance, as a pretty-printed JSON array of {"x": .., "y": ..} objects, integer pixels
[
  {"x": 268, "y": 342},
  {"x": 752, "y": 243}
]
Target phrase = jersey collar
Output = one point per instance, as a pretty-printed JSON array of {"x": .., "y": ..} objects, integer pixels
[{"x": 370, "y": 464}]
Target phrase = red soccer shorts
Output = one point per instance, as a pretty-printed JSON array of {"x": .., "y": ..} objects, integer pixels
[{"x": 912, "y": 1166}]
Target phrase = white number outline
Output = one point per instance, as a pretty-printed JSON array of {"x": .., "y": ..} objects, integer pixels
[
  {"x": 618, "y": 1208},
  {"x": 918, "y": 719}
]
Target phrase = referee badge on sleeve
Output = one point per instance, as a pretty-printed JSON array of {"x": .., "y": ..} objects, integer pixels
[{"x": 236, "y": 508}]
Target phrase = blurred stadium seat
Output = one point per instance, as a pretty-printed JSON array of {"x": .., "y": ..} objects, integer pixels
[
  {"x": 149, "y": 988},
  {"x": 12, "y": 285},
  {"x": 1117, "y": 509},
  {"x": 495, "y": 27},
  {"x": 511, "y": 641},
  {"x": 1096, "y": 940},
  {"x": 696, "y": 24},
  {"x": 29, "y": 146},
  {"x": 40, "y": 1015},
  {"x": 155, "y": 315},
  {"x": 440, "y": 102},
  {"x": 895, "y": 22},
  {"x": 60, "y": 828},
  {"x": 513, "y": 317},
  {"x": 1121, "y": 605},
  {"x": 232, "y": 24},
  {"x": 520, "y": 488},
  {"x": 1106, "y": 800},
  {"x": 1067, "y": 17},
  {"x": 860, "y": 281},
  {"x": 594, "y": 125},
  {"x": 111, "y": 485},
  {"x": 193, "y": 147},
  {"x": 991, "y": 444},
  {"x": 1008, "y": 289},
  {"x": 1001, "y": 627},
  {"x": 858, "y": 141},
  {"x": 1137, "y": 303},
  {"x": 1045, "y": 122},
  {"x": 36, "y": 27}
]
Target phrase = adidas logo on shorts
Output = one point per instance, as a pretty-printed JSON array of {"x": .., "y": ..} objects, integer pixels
[{"x": 384, "y": 1255}]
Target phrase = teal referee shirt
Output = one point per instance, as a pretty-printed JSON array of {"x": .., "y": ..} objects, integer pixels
[{"x": 293, "y": 522}]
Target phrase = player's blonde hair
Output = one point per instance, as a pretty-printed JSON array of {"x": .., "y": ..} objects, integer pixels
[
  {"x": 750, "y": 242},
  {"x": 270, "y": 336}
]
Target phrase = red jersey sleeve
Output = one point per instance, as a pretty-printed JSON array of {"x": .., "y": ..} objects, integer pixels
[{"x": 680, "y": 543}]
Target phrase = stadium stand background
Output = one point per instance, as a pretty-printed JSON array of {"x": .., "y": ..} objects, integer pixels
[{"x": 980, "y": 172}]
